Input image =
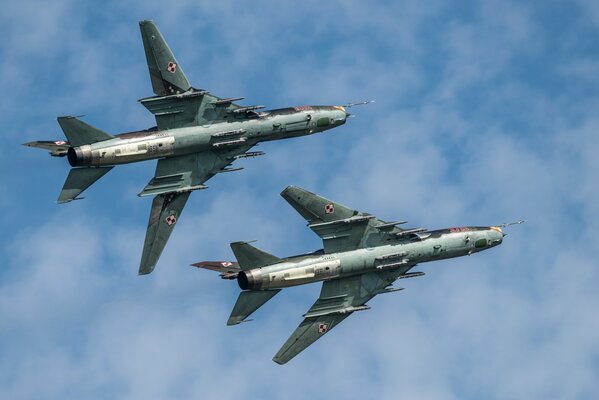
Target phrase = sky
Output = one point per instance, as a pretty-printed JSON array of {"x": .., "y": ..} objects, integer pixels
[{"x": 485, "y": 112}]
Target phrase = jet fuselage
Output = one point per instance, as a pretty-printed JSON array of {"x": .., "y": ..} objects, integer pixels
[
  {"x": 152, "y": 144},
  {"x": 398, "y": 254}
]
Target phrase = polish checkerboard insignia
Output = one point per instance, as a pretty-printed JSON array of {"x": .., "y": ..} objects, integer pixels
[
  {"x": 323, "y": 328},
  {"x": 329, "y": 208},
  {"x": 60, "y": 142},
  {"x": 171, "y": 67},
  {"x": 226, "y": 264},
  {"x": 170, "y": 220}
]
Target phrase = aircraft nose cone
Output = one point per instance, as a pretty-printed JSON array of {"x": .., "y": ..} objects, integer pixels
[{"x": 340, "y": 115}]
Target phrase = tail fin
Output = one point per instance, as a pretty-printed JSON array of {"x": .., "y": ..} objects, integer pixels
[
  {"x": 78, "y": 180},
  {"x": 79, "y": 133},
  {"x": 250, "y": 257},
  {"x": 248, "y": 302},
  {"x": 166, "y": 74}
]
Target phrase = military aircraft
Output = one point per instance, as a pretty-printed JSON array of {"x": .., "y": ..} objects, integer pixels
[
  {"x": 362, "y": 257},
  {"x": 197, "y": 135}
]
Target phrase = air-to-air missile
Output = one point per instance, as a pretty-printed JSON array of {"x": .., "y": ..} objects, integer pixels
[
  {"x": 197, "y": 135},
  {"x": 362, "y": 256}
]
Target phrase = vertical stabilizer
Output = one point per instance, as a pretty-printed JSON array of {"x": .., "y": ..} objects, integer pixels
[{"x": 78, "y": 180}]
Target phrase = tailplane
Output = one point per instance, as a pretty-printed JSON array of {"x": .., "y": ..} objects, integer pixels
[
  {"x": 250, "y": 257},
  {"x": 78, "y": 180},
  {"x": 248, "y": 302},
  {"x": 79, "y": 133}
]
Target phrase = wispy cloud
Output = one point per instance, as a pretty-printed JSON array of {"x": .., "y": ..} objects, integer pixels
[{"x": 484, "y": 113}]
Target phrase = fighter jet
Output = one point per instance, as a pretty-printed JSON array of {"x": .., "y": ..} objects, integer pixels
[
  {"x": 362, "y": 257},
  {"x": 197, "y": 135}
]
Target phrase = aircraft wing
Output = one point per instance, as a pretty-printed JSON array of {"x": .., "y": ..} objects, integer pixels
[
  {"x": 338, "y": 299},
  {"x": 340, "y": 227},
  {"x": 177, "y": 104},
  {"x": 174, "y": 180}
]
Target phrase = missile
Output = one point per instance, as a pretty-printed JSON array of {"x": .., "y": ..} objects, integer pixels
[
  {"x": 229, "y": 142},
  {"x": 222, "y": 102},
  {"x": 229, "y": 170},
  {"x": 391, "y": 224},
  {"x": 410, "y": 231},
  {"x": 249, "y": 154},
  {"x": 411, "y": 275}
]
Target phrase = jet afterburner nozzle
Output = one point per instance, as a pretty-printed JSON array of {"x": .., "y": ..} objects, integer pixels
[
  {"x": 79, "y": 156},
  {"x": 249, "y": 280}
]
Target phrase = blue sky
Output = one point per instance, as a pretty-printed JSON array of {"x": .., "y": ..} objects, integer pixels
[{"x": 485, "y": 112}]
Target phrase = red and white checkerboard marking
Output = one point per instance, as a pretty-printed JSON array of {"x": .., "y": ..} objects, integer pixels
[
  {"x": 60, "y": 142},
  {"x": 329, "y": 208},
  {"x": 171, "y": 67},
  {"x": 170, "y": 220},
  {"x": 323, "y": 328},
  {"x": 226, "y": 264}
]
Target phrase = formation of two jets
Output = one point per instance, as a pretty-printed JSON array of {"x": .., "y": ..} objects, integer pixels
[{"x": 198, "y": 135}]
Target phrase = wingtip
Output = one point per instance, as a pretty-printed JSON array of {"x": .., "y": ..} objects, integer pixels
[
  {"x": 287, "y": 189},
  {"x": 278, "y": 361},
  {"x": 145, "y": 269},
  {"x": 297, "y": 189}
]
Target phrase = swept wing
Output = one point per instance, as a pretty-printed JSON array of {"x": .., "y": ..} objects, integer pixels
[
  {"x": 338, "y": 299},
  {"x": 342, "y": 228},
  {"x": 172, "y": 183},
  {"x": 177, "y": 104}
]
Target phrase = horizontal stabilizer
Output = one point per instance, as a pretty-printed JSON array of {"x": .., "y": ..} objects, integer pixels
[
  {"x": 250, "y": 257},
  {"x": 248, "y": 302},
  {"x": 79, "y": 133},
  {"x": 78, "y": 180},
  {"x": 226, "y": 269},
  {"x": 56, "y": 148}
]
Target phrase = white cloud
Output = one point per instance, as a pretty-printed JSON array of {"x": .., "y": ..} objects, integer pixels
[{"x": 459, "y": 135}]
